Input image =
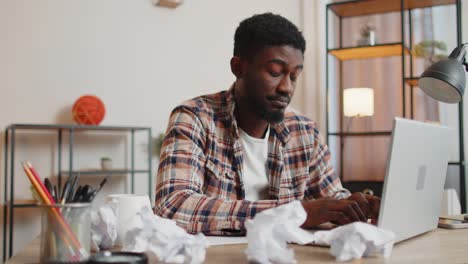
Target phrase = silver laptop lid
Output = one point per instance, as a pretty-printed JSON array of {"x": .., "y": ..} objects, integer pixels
[{"x": 415, "y": 177}]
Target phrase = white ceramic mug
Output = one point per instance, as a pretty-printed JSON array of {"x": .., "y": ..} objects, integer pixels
[{"x": 128, "y": 205}]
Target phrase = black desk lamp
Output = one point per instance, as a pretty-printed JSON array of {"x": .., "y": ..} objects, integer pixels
[{"x": 445, "y": 80}]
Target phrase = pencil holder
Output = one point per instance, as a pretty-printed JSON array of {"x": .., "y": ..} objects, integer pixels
[{"x": 65, "y": 233}]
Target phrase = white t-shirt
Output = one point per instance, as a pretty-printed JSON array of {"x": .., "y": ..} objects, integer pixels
[{"x": 255, "y": 176}]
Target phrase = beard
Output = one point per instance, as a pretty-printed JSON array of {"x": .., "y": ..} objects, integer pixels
[{"x": 271, "y": 116}]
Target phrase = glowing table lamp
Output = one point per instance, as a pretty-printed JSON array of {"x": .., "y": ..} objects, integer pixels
[{"x": 358, "y": 102}]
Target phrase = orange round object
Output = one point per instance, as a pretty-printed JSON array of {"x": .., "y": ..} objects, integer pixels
[{"x": 88, "y": 110}]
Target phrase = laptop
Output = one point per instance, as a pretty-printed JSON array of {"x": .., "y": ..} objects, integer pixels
[{"x": 415, "y": 178}]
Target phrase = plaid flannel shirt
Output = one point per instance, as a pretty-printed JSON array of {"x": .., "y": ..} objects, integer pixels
[{"x": 199, "y": 182}]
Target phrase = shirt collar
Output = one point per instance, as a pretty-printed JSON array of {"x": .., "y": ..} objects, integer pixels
[{"x": 280, "y": 130}]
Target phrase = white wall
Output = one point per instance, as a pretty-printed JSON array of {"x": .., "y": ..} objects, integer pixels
[{"x": 140, "y": 59}]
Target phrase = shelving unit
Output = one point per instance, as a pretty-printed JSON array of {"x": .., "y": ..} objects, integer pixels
[
  {"x": 341, "y": 11},
  {"x": 367, "y": 52},
  {"x": 371, "y": 7},
  {"x": 10, "y": 160}
]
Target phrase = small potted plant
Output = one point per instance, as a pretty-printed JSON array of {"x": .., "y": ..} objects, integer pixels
[
  {"x": 157, "y": 144},
  {"x": 367, "y": 35},
  {"x": 106, "y": 163},
  {"x": 431, "y": 50}
]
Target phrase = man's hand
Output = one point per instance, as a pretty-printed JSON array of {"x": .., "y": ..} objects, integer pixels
[
  {"x": 337, "y": 211},
  {"x": 357, "y": 207},
  {"x": 369, "y": 204}
]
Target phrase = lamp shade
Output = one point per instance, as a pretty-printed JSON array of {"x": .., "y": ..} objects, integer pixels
[
  {"x": 445, "y": 80},
  {"x": 358, "y": 101}
]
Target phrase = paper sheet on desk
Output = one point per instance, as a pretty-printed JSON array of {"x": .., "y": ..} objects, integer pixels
[
  {"x": 226, "y": 240},
  {"x": 235, "y": 240}
]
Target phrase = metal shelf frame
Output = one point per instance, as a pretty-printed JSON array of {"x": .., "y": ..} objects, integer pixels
[
  {"x": 353, "y": 8},
  {"x": 9, "y": 159}
]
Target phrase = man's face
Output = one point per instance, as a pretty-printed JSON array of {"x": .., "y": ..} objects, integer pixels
[{"x": 269, "y": 81}]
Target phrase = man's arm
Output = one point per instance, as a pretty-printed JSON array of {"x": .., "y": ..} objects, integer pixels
[
  {"x": 323, "y": 181},
  {"x": 325, "y": 199},
  {"x": 181, "y": 175}
]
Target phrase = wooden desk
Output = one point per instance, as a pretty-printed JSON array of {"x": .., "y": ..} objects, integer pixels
[{"x": 438, "y": 246}]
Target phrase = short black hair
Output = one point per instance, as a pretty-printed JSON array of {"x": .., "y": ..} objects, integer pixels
[{"x": 263, "y": 30}]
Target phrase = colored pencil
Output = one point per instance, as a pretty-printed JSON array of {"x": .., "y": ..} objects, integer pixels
[
  {"x": 67, "y": 235},
  {"x": 48, "y": 200}
]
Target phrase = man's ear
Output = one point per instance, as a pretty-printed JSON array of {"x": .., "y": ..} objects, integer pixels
[{"x": 237, "y": 67}]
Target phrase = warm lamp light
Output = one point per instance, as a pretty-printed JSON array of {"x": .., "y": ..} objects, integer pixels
[
  {"x": 358, "y": 102},
  {"x": 445, "y": 80}
]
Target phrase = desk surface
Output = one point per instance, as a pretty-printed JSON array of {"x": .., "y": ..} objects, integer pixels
[{"x": 438, "y": 246}]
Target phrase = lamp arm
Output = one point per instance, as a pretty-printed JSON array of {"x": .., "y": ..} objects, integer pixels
[
  {"x": 465, "y": 60},
  {"x": 459, "y": 53}
]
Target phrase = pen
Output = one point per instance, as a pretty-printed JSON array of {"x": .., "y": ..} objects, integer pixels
[
  {"x": 94, "y": 193},
  {"x": 77, "y": 194},
  {"x": 66, "y": 189},
  {"x": 87, "y": 196},
  {"x": 102, "y": 183},
  {"x": 71, "y": 193},
  {"x": 55, "y": 194},
  {"x": 50, "y": 188},
  {"x": 48, "y": 185},
  {"x": 84, "y": 193}
]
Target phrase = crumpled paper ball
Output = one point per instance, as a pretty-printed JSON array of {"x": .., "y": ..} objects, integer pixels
[
  {"x": 168, "y": 242},
  {"x": 270, "y": 231},
  {"x": 355, "y": 240},
  {"x": 104, "y": 227}
]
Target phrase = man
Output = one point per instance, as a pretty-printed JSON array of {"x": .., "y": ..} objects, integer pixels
[{"x": 230, "y": 155}]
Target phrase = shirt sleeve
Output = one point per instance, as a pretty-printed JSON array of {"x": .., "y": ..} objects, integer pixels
[
  {"x": 323, "y": 181},
  {"x": 181, "y": 177}
]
